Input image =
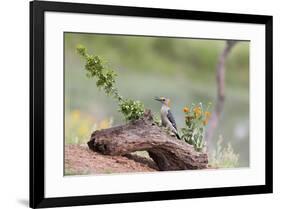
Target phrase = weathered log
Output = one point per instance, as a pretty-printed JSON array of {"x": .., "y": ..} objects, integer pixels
[{"x": 168, "y": 152}]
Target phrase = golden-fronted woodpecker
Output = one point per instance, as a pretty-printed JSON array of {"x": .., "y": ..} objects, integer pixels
[{"x": 167, "y": 118}]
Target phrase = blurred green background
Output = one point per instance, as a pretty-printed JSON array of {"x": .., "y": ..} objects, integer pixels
[{"x": 181, "y": 69}]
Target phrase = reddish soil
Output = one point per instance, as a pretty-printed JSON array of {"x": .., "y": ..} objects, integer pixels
[{"x": 80, "y": 160}]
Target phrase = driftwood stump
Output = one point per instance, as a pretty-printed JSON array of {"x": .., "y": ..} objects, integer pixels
[{"x": 168, "y": 152}]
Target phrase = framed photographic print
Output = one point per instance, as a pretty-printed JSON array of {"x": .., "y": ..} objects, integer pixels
[{"x": 135, "y": 104}]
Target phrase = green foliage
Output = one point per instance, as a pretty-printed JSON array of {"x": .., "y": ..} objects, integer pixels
[
  {"x": 79, "y": 126},
  {"x": 96, "y": 68},
  {"x": 157, "y": 119},
  {"x": 132, "y": 110},
  {"x": 224, "y": 157},
  {"x": 105, "y": 79},
  {"x": 71, "y": 172},
  {"x": 196, "y": 118}
]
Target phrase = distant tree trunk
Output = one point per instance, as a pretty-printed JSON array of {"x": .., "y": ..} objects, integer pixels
[{"x": 220, "y": 91}]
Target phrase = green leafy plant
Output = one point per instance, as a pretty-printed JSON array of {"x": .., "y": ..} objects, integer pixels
[
  {"x": 224, "y": 157},
  {"x": 105, "y": 79},
  {"x": 196, "y": 118},
  {"x": 132, "y": 110},
  {"x": 157, "y": 119}
]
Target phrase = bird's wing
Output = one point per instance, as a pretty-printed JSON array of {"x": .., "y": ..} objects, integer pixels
[{"x": 172, "y": 119}]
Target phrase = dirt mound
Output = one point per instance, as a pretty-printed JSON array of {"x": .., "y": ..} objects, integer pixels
[{"x": 80, "y": 160}]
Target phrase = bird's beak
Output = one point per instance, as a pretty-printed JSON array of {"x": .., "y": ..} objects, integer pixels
[{"x": 158, "y": 99}]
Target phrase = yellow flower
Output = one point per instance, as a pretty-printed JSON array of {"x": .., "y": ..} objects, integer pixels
[
  {"x": 208, "y": 114},
  {"x": 75, "y": 115},
  {"x": 197, "y": 108},
  {"x": 197, "y": 111},
  {"x": 104, "y": 124},
  {"x": 205, "y": 122},
  {"x": 83, "y": 129},
  {"x": 185, "y": 109}
]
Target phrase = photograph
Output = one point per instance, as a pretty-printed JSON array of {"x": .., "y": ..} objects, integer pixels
[
  {"x": 139, "y": 104},
  {"x": 134, "y": 104}
]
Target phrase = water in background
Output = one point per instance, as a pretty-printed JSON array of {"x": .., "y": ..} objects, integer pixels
[{"x": 183, "y": 70}]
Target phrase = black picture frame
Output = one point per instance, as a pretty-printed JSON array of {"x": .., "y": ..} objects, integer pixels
[{"x": 37, "y": 101}]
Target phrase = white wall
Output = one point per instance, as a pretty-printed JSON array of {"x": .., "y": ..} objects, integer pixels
[{"x": 14, "y": 78}]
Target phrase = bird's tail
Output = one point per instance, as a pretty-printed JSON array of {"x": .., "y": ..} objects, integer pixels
[{"x": 177, "y": 135}]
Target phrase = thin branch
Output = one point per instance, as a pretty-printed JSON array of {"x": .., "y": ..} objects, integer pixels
[{"x": 220, "y": 76}]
